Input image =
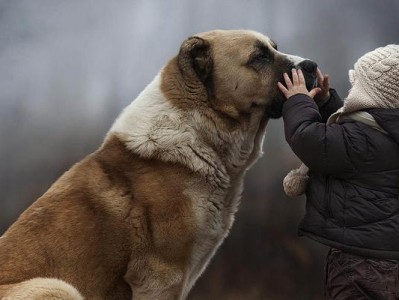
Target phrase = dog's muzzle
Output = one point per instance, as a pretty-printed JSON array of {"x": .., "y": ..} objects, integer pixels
[{"x": 309, "y": 69}]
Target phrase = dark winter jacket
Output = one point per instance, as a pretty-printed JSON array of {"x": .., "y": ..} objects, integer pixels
[{"x": 353, "y": 192}]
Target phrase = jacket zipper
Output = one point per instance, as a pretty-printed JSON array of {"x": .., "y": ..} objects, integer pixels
[{"x": 327, "y": 197}]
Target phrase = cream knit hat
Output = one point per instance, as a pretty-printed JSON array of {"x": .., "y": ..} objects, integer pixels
[{"x": 378, "y": 74}]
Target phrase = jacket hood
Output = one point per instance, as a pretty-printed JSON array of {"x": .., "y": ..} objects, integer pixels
[{"x": 388, "y": 119}]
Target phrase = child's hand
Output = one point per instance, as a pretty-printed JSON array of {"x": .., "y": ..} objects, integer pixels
[
  {"x": 324, "y": 84},
  {"x": 297, "y": 86}
]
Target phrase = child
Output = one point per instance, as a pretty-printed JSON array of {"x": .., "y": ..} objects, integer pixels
[{"x": 352, "y": 186}]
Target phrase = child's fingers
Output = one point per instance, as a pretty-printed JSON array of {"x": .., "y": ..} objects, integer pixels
[
  {"x": 314, "y": 92},
  {"x": 295, "y": 79},
  {"x": 301, "y": 77},
  {"x": 282, "y": 88},
  {"x": 326, "y": 82},
  {"x": 287, "y": 81},
  {"x": 320, "y": 77}
]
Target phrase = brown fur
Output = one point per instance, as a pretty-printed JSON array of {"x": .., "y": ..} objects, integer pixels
[{"x": 113, "y": 203}]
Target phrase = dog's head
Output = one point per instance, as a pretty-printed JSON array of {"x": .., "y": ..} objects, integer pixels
[{"x": 237, "y": 70}]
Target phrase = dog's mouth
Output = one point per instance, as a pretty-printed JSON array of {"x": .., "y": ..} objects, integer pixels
[{"x": 275, "y": 109}]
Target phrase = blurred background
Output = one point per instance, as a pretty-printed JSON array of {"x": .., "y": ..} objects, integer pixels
[{"x": 67, "y": 68}]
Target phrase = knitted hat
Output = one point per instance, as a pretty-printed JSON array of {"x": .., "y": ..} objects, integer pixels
[{"x": 378, "y": 74}]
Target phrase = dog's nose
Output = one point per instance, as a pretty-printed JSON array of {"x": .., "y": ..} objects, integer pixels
[{"x": 308, "y": 66}]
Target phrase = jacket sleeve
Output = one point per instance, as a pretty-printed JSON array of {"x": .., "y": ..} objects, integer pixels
[
  {"x": 321, "y": 147},
  {"x": 327, "y": 108}
]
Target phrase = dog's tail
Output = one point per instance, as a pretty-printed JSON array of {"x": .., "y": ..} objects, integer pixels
[{"x": 39, "y": 289}]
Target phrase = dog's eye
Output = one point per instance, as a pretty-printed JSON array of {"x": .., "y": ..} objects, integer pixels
[
  {"x": 263, "y": 56},
  {"x": 260, "y": 58}
]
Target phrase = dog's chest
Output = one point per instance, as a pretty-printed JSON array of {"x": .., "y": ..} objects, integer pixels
[
  {"x": 213, "y": 207},
  {"x": 213, "y": 210}
]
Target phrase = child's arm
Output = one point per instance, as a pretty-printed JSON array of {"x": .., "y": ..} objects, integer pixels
[
  {"x": 321, "y": 147},
  {"x": 330, "y": 106}
]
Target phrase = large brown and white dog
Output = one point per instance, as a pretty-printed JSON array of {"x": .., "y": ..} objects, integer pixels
[{"x": 142, "y": 216}]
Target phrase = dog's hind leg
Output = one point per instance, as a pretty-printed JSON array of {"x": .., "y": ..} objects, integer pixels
[{"x": 40, "y": 289}]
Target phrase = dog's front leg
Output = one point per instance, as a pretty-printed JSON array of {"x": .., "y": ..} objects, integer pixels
[{"x": 153, "y": 278}]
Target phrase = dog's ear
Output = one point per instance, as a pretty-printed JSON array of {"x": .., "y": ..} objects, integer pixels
[{"x": 195, "y": 59}]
